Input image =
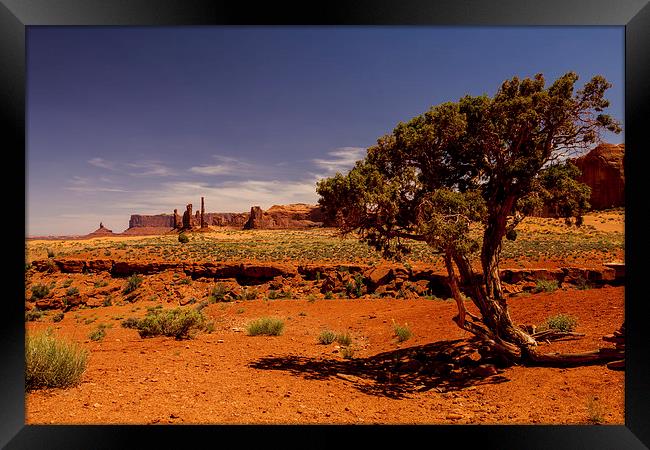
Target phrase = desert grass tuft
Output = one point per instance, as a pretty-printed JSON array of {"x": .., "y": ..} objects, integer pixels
[
  {"x": 326, "y": 337},
  {"x": 268, "y": 326},
  {"x": 51, "y": 362}
]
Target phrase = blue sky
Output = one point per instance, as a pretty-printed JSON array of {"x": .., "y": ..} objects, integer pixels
[{"x": 143, "y": 120}]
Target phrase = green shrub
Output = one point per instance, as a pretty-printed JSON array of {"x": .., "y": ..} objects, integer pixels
[
  {"x": 582, "y": 283},
  {"x": 132, "y": 283},
  {"x": 52, "y": 363},
  {"x": 595, "y": 411},
  {"x": 58, "y": 317},
  {"x": 265, "y": 326},
  {"x": 311, "y": 298},
  {"x": 33, "y": 314},
  {"x": 66, "y": 283},
  {"x": 344, "y": 338},
  {"x": 130, "y": 322},
  {"x": 218, "y": 293},
  {"x": 183, "y": 238},
  {"x": 98, "y": 333},
  {"x": 326, "y": 337},
  {"x": 248, "y": 294},
  {"x": 347, "y": 352},
  {"x": 40, "y": 291},
  {"x": 329, "y": 295},
  {"x": 545, "y": 286},
  {"x": 101, "y": 283},
  {"x": 402, "y": 332},
  {"x": 199, "y": 307},
  {"x": 72, "y": 291},
  {"x": 561, "y": 322},
  {"x": 108, "y": 301},
  {"x": 178, "y": 323}
]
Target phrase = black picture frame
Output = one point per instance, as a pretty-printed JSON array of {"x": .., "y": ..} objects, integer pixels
[{"x": 634, "y": 15}]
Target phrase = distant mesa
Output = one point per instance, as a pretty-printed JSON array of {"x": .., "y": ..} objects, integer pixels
[{"x": 292, "y": 216}]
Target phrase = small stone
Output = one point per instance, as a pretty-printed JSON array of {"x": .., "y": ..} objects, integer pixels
[{"x": 454, "y": 416}]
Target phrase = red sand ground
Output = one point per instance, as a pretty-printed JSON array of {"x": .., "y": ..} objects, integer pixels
[{"x": 228, "y": 377}]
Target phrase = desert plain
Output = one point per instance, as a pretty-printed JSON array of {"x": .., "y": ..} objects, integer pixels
[{"x": 314, "y": 281}]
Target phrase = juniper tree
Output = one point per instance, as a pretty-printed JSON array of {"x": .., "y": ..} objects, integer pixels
[{"x": 479, "y": 164}]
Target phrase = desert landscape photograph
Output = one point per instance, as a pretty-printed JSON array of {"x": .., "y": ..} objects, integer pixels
[{"x": 325, "y": 225}]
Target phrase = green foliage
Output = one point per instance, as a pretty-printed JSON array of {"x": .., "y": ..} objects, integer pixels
[
  {"x": 248, "y": 294},
  {"x": 178, "y": 323},
  {"x": 481, "y": 162},
  {"x": 72, "y": 291},
  {"x": 545, "y": 286},
  {"x": 344, "y": 338},
  {"x": 58, "y": 317},
  {"x": 51, "y": 362},
  {"x": 595, "y": 411},
  {"x": 326, "y": 337},
  {"x": 130, "y": 322},
  {"x": 66, "y": 283},
  {"x": 347, "y": 352},
  {"x": 98, "y": 333},
  {"x": 560, "y": 322},
  {"x": 268, "y": 326},
  {"x": 183, "y": 238},
  {"x": 132, "y": 283},
  {"x": 40, "y": 291},
  {"x": 108, "y": 301},
  {"x": 581, "y": 283},
  {"x": 33, "y": 314},
  {"x": 218, "y": 293},
  {"x": 402, "y": 332},
  {"x": 329, "y": 295}
]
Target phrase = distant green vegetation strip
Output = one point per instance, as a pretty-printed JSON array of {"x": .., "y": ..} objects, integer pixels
[{"x": 311, "y": 245}]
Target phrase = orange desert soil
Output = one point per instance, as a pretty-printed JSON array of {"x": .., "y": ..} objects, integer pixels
[{"x": 228, "y": 377}]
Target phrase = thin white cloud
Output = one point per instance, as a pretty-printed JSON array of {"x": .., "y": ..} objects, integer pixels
[
  {"x": 234, "y": 196},
  {"x": 150, "y": 168},
  {"x": 102, "y": 163},
  {"x": 225, "y": 166},
  {"x": 88, "y": 185},
  {"x": 341, "y": 159},
  {"x": 91, "y": 189}
]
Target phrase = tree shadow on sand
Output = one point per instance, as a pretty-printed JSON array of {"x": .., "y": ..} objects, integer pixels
[{"x": 443, "y": 366}]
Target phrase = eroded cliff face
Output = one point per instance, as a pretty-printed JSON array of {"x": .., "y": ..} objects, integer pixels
[
  {"x": 296, "y": 215},
  {"x": 293, "y": 216},
  {"x": 603, "y": 170},
  {"x": 159, "y": 220}
]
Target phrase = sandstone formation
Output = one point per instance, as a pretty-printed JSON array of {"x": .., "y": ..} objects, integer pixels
[
  {"x": 389, "y": 280},
  {"x": 188, "y": 220},
  {"x": 293, "y": 216},
  {"x": 159, "y": 220},
  {"x": 203, "y": 222},
  {"x": 101, "y": 231},
  {"x": 603, "y": 170},
  {"x": 178, "y": 220},
  {"x": 296, "y": 215}
]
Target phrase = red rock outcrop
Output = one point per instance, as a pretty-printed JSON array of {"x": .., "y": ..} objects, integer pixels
[
  {"x": 296, "y": 215},
  {"x": 160, "y": 220},
  {"x": 101, "y": 231},
  {"x": 603, "y": 170},
  {"x": 188, "y": 220}
]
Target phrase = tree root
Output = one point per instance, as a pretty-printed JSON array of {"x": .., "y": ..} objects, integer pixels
[
  {"x": 599, "y": 356},
  {"x": 552, "y": 335}
]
